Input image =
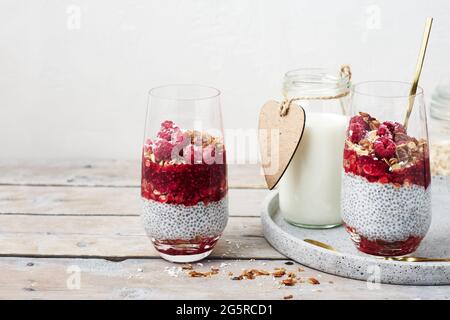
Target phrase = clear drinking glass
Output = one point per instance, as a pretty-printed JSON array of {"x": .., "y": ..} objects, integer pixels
[
  {"x": 386, "y": 197},
  {"x": 184, "y": 172}
]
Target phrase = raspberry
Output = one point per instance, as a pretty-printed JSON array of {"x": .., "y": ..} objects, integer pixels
[
  {"x": 148, "y": 146},
  {"x": 168, "y": 125},
  {"x": 168, "y": 128},
  {"x": 165, "y": 135},
  {"x": 356, "y": 132},
  {"x": 178, "y": 137},
  {"x": 349, "y": 160},
  {"x": 384, "y": 147},
  {"x": 372, "y": 167},
  {"x": 163, "y": 150},
  {"x": 383, "y": 131},
  {"x": 394, "y": 127},
  {"x": 359, "y": 120}
]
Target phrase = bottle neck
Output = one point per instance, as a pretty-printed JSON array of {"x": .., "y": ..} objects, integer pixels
[{"x": 314, "y": 83}]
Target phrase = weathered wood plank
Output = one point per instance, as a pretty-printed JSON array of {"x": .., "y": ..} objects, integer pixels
[
  {"x": 115, "y": 173},
  {"x": 114, "y": 236},
  {"x": 150, "y": 279},
  {"x": 102, "y": 200}
]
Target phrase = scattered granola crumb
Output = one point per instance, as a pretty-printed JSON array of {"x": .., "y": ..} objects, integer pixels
[
  {"x": 290, "y": 296},
  {"x": 187, "y": 267},
  {"x": 250, "y": 274},
  {"x": 301, "y": 269},
  {"x": 313, "y": 281},
  {"x": 230, "y": 274},
  {"x": 289, "y": 282},
  {"x": 260, "y": 272},
  {"x": 197, "y": 274},
  {"x": 279, "y": 272}
]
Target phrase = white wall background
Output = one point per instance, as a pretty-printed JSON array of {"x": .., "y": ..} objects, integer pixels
[{"x": 74, "y": 75}]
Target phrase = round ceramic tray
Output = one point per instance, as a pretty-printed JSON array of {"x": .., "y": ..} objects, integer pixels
[{"x": 349, "y": 262}]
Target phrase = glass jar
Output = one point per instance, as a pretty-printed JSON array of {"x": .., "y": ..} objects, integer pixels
[
  {"x": 386, "y": 197},
  {"x": 309, "y": 190},
  {"x": 184, "y": 172},
  {"x": 440, "y": 129}
]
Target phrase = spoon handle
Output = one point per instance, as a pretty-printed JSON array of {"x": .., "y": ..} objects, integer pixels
[{"x": 423, "y": 50}]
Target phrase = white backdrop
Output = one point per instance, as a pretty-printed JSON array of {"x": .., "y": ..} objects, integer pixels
[{"x": 74, "y": 75}]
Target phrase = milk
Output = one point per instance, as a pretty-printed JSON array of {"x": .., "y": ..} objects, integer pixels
[{"x": 309, "y": 191}]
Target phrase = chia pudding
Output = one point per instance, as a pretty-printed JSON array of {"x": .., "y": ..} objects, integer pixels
[
  {"x": 386, "y": 197},
  {"x": 184, "y": 192}
]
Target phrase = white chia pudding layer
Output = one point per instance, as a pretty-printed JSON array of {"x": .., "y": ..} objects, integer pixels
[
  {"x": 165, "y": 221},
  {"x": 385, "y": 212}
]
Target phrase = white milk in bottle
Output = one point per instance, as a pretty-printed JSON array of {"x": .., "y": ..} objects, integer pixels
[{"x": 309, "y": 191}]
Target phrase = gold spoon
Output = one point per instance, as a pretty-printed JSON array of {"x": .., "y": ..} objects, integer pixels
[
  {"x": 320, "y": 244},
  {"x": 406, "y": 258},
  {"x": 423, "y": 49}
]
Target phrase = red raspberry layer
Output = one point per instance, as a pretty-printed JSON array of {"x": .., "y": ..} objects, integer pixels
[
  {"x": 186, "y": 247},
  {"x": 185, "y": 184},
  {"x": 198, "y": 173},
  {"x": 385, "y": 248},
  {"x": 375, "y": 170}
]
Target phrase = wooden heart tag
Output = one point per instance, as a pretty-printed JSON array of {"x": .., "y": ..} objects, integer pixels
[{"x": 281, "y": 127}]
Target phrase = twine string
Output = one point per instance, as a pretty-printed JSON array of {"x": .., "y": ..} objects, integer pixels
[{"x": 286, "y": 103}]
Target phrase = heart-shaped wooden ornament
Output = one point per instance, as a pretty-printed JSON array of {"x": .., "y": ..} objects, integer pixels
[{"x": 279, "y": 137}]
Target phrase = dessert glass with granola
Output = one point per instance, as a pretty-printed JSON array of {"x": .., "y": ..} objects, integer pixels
[
  {"x": 386, "y": 197},
  {"x": 184, "y": 172}
]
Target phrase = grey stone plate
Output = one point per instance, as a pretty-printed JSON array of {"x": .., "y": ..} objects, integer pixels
[{"x": 351, "y": 263}]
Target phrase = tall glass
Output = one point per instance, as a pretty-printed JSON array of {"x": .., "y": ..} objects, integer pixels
[
  {"x": 184, "y": 172},
  {"x": 386, "y": 198}
]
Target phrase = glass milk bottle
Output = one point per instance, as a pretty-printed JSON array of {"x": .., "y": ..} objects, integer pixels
[{"x": 309, "y": 190}]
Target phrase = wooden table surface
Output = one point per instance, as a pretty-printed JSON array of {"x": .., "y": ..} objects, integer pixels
[{"x": 71, "y": 230}]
